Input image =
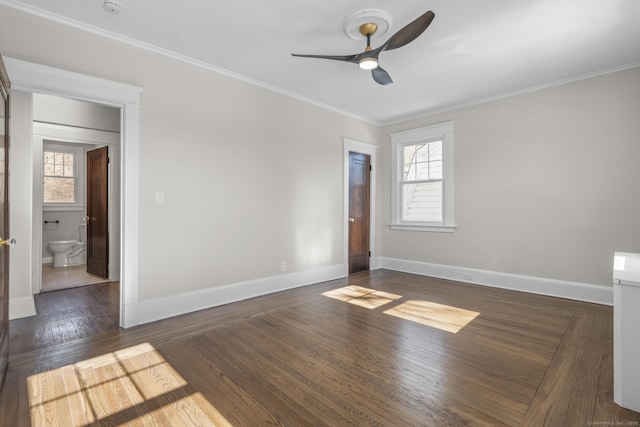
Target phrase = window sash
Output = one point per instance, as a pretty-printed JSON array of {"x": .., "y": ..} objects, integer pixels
[
  {"x": 62, "y": 186},
  {"x": 436, "y": 162},
  {"x": 426, "y": 201},
  {"x": 419, "y": 161},
  {"x": 59, "y": 189},
  {"x": 59, "y": 164}
]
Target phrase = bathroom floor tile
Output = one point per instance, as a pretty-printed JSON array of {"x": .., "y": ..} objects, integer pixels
[{"x": 54, "y": 279}]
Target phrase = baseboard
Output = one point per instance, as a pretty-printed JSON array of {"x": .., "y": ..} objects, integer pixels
[
  {"x": 114, "y": 273},
  {"x": 21, "y": 307},
  {"x": 550, "y": 287},
  {"x": 47, "y": 260},
  {"x": 374, "y": 263},
  {"x": 163, "y": 308}
]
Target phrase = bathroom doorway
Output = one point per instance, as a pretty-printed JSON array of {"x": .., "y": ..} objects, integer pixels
[{"x": 65, "y": 132}]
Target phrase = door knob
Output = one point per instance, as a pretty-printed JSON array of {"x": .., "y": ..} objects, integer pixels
[
  {"x": 86, "y": 220},
  {"x": 8, "y": 242},
  {"x": 352, "y": 219}
]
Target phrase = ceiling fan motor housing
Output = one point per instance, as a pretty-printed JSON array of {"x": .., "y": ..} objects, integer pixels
[{"x": 112, "y": 6}]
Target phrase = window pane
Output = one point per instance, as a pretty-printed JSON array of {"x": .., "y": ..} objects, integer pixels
[
  {"x": 68, "y": 159},
  {"x": 59, "y": 164},
  {"x": 48, "y": 157},
  {"x": 435, "y": 151},
  {"x": 422, "y": 154},
  {"x": 422, "y": 202},
  {"x": 422, "y": 161},
  {"x": 409, "y": 172},
  {"x": 409, "y": 153},
  {"x": 429, "y": 170},
  {"x": 422, "y": 171},
  {"x": 59, "y": 190}
]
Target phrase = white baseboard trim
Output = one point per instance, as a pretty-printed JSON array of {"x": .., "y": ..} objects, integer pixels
[
  {"x": 374, "y": 263},
  {"x": 162, "y": 308},
  {"x": 47, "y": 260},
  {"x": 537, "y": 285},
  {"x": 21, "y": 307}
]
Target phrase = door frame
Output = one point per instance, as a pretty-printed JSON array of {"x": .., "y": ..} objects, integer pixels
[
  {"x": 69, "y": 134},
  {"x": 35, "y": 78},
  {"x": 350, "y": 145}
]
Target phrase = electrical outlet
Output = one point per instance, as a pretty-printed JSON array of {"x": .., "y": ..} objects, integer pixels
[
  {"x": 283, "y": 266},
  {"x": 467, "y": 276}
]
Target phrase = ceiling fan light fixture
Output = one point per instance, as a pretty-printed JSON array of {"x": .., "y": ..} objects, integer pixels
[{"x": 368, "y": 63}]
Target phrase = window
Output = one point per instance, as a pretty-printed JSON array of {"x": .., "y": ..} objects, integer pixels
[
  {"x": 62, "y": 176},
  {"x": 422, "y": 171},
  {"x": 59, "y": 177}
]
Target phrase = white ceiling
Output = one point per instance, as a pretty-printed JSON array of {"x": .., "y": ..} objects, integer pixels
[{"x": 473, "y": 50}]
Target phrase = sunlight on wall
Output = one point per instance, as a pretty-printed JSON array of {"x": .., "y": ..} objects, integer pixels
[
  {"x": 444, "y": 317},
  {"x": 135, "y": 384}
]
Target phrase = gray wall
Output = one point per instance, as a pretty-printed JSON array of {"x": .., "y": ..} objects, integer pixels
[
  {"x": 251, "y": 177},
  {"x": 70, "y": 112},
  {"x": 546, "y": 183}
]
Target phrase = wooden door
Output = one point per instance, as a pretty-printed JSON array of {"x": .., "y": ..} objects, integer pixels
[
  {"x": 4, "y": 221},
  {"x": 98, "y": 212},
  {"x": 359, "y": 196}
]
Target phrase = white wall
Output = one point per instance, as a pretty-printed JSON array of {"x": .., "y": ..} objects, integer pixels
[
  {"x": 250, "y": 177},
  {"x": 544, "y": 180},
  {"x": 546, "y": 183},
  {"x": 66, "y": 229},
  {"x": 20, "y": 213},
  {"x": 70, "y": 112}
]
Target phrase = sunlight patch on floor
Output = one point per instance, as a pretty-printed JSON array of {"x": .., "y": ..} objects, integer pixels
[
  {"x": 445, "y": 317},
  {"x": 363, "y": 297},
  {"x": 136, "y": 385}
]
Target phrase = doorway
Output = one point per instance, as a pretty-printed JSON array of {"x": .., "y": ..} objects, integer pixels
[
  {"x": 359, "y": 224},
  {"x": 65, "y": 133},
  {"x": 359, "y": 234},
  {"x": 74, "y": 190},
  {"x": 35, "y": 78}
]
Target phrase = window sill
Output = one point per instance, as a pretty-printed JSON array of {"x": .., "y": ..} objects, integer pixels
[
  {"x": 430, "y": 228},
  {"x": 63, "y": 208}
]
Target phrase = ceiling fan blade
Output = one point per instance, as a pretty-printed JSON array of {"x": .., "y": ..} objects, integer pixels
[
  {"x": 410, "y": 32},
  {"x": 347, "y": 58},
  {"x": 381, "y": 76}
]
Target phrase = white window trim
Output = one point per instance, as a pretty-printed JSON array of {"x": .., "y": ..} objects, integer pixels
[
  {"x": 441, "y": 131},
  {"x": 78, "y": 175}
]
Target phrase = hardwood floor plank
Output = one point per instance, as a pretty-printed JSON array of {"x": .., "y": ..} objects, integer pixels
[
  {"x": 204, "y": 371},
  {"x": 80, "y": 410},
  {"x": 255, "y": 377},
  {"x": 300, "y": 358},
  {"x": 568, "y": 390},
  {"x": 419, "y": 381}
]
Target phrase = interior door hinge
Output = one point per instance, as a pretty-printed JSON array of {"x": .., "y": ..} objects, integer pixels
[
  {"x": 369, "y": 168},
  {"x": 369, "y": 253}
]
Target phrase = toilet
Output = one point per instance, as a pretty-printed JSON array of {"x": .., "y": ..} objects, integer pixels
[{"x": 70, "y": 252}]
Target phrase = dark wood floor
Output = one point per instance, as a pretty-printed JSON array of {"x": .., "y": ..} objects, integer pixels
[
  {"x": 303, "y": 358},
  {"x": 65, "y": 316}
]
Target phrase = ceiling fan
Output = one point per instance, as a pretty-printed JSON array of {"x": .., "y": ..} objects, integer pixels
[{"x": 368, "y": 60}]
